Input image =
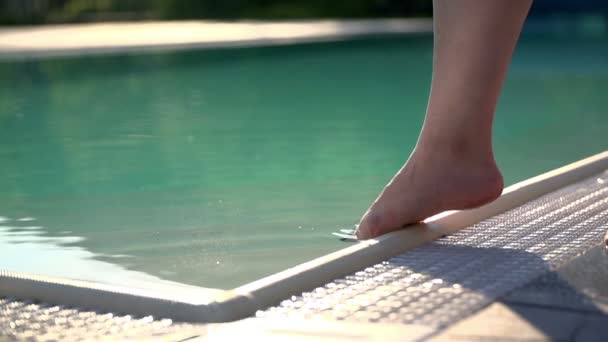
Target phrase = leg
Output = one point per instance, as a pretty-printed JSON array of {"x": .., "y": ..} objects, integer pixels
[{"x": 452, "y": 166}]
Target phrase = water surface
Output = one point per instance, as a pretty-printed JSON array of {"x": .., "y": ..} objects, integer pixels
[{"x": 215, "y": 168}]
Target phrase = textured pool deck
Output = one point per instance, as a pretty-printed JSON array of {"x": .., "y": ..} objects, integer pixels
[
  {"x": 78, "y": 39},
  {"x": 551, "y": 308},
  {"x": 566, "y": 305},
  {"x": 558, "y": 306}
]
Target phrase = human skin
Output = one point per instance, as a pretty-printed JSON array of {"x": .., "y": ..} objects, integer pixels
[{"x": 452, "y": 166}]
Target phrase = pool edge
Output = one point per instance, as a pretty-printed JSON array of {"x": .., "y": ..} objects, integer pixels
[{"x": 116, "y": 38}]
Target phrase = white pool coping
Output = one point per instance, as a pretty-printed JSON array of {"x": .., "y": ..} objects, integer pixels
[{"x": 107, "y": 38}]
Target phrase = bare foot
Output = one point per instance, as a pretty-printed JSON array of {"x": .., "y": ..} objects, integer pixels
[{"x": 430, "y": 183}]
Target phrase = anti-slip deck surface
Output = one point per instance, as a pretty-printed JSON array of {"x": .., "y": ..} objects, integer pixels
[
  {"x": 21, "y": 319},
  {"x": 433, "y": 285},
  {"x": 453, "y": 277}
]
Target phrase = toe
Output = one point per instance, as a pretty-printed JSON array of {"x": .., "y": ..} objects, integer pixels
[{"x": 370, "y": 225}]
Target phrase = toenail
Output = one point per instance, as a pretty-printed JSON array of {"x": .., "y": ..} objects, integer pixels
[
  {"x": 362, "y": 233},
  {"x": 370, "y": 228}
]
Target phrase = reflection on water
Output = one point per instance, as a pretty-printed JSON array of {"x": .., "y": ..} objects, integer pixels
[
  {"x": 31, "y": 250},
  {"x": 218, "y": 167}
]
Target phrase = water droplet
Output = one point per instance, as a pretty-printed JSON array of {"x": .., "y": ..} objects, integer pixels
[
  {"x": 601, "y": 181},
  {"x": 25, "y": 219},
  {"x": 217, "y": 262},
  {"x": 299, "y": 227}
]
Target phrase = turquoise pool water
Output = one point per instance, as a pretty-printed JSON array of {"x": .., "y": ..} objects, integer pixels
[{"x": 215, "y": 168}]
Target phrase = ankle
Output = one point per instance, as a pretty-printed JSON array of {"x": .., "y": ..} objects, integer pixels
[{"x": 463, "y": 150}]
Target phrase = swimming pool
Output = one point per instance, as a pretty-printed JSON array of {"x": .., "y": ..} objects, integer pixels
[{"x": 217, "y": 167}]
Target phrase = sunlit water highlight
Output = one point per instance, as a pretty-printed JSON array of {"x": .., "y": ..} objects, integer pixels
[{"x": 30, "y": 250}]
